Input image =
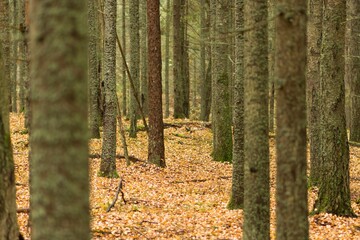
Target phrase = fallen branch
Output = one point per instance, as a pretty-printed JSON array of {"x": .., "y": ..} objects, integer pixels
[
  {"x": 119, "y": 190},
  {"x": 131, "y": 158},
  {"x": 202, "y": 180},
  {"x": 23, "y": 210}
]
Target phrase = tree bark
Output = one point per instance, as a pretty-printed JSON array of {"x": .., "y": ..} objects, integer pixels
[
  {"x": 156, "y": 149},
  {"x": 167, "y": 59},
  {"x": 313, "y": 87},
  {"x": 221, "y": 112},
  {"x": 353, "y": 63},
  {"x": 237, "y": 189},
  {"x": 256, "y": 145},
  {"x": 108, "y": 166},
  {"x": 334, "y": 187},
  {"x": 291, "y": 178},
  {"x": 143, "y": 58},
  {"x": 59, "y": 140}
]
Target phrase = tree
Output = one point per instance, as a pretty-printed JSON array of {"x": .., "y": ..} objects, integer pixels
[
  {"x": 353, "y": 62},
  {"x": 134, "y": 64},
  {"x": 94, "y": 85},
  {"x": 291, "y": 179},
  {"x": 14, "y": 29},
  {"x": 237, "y": 189},
  {"x": 8, "y": 220},
  {"x": 167, "y": 59},
  {"x": 143, "y": 57},
  {"x": 156, "y": 149},
  {"x": 123, "y": 44},
  {"x": 23, "y": 73},
  {"x": 256, "y": 145},
  {"x": 181, "y": 81},
  {"x": 205, "y": 91},
  {"x": 59, "y": 137},
  {"x": 313, "y": 87},
  {"x": 221, "y": 110},
  {"x": 108, "y": 166},
  {"x": 334, "y": 187},
  {"x": 271, "y": 33}
]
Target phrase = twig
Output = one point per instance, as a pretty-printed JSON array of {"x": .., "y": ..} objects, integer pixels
[
  {"x": 131, "y": 158},
  {"x": 119, "y": 190},
  {"x": 201, "y": 180},
  {"x": 23, "y": 210}
]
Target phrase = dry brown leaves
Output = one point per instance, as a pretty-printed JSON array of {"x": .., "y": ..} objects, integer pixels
[{"x": 186, "y": 200}]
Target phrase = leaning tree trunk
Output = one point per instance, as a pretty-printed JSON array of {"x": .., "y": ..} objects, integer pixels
[
  {"x": 334, "y": 187},
  {"x": 256, "y": 145},
  {"x": 59, "y": 138},
  {"x": 291, "y": 179},
  {"x": 354, "y": 67}
]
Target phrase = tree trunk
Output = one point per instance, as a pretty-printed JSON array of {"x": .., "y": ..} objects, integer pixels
[
  {"x": 13, "y": 53},
  {"x": 334, "y": 189},
  {"x": 134, "y": 64},
  {"x": 108, "y": 166},
  {"x": 221, "y": 113},
  {"x": 353, "y": 63},
  {"x": 271, "y": 32},
  {"x": 94, "y": 84},
  {"x": 59, "y": 139},
  {"x": 8, "y": 219},
  {"x": 156, "y": 149},
  {"x": 123, "y": 44},
  {"x": 291, "y": 179},
  {"x": 205, "y": 90},
  {"x": 237, "y": 189},
  {"x": 167, "y": 59},
  {"x": 22, "y": 76},
  {"x": 313, "y": 87},
  {"x": 256, "y": 145},
  {"x": 143, "y": 58}
]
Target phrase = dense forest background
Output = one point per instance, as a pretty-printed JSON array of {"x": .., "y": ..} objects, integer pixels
[{"x": 179, "y": 119}]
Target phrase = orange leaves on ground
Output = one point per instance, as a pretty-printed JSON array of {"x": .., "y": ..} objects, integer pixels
[{"x": 186, "y": 200}]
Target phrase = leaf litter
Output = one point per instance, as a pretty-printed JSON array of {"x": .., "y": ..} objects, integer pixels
[{"x": 185, "y": 200}]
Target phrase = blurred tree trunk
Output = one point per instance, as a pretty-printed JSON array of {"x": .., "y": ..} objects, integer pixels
[
  {"x": 353, "y": 67},
  {"x": 221, "y": 112},
  {"x": 108, "y": 166},
  {"x": 143, "y": 58},
  {"x": 123, "y": 44},
  {"x": 134, "y": 64},
  {"x": 256, "y": 122},
  {"x": 334, "y": 181},
  {"x": 313, "y": 86},
  {"x": 14, "y": 31},
  {"x": 8, "y": 220},
  {"x": 205, "y": 90},
  {"x": 291, "y": 179},
  {"x": 271, "y": 32},
  {"x": 167, "y": 58},
  {"x": 181, "y": 81},
  {"x": 156, "y": 149},
  {"x": 59, "y": 139},
  {"x": 237, "y": 189},
  {"x": 94, "y": 84},
  {"x": 22, "y": 76}
]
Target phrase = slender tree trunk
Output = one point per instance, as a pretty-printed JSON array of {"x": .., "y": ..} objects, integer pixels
[
  {"x": 167, "y": 59},
  {"x": 222, "y": 134},
  {"x": 134, "y": 64},
  {"x": 143, "y": 57},
  {"x": 59, "y": 139},
  {"x": 271, "y": 31},
  {"x": 313, "y": 87},
  {"x": 123, "y": 44},
  {"x": 108, "y": 166},
  {"x": 94, "y": 84},
  {"x": 237, "y": 189},
  {"x": 13, "y": 53},
  {"x": 334, "y": 181},
  {"x": 291, "y": 180},
  {"x": 156, "y": 149},
  {"x": 22, "y": 56},
  {"x": 353, "y": 64},
  {"x": 8, "y": 220},
  {"x": 256, "y": 122}
]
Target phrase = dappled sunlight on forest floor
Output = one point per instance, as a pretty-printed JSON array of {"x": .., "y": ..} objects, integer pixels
[{"x": 186, "y": 200}]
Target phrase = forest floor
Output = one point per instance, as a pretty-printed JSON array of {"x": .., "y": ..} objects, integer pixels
[{"x": 185, "y": 200}]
